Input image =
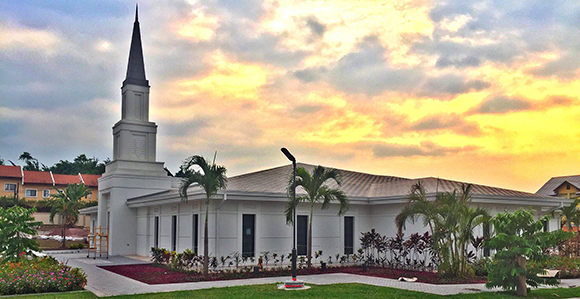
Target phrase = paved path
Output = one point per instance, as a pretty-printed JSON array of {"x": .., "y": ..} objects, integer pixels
[{"x": 106, "y": 283}]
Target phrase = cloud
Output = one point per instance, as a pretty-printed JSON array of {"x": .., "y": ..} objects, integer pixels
[
  {"x": 316, "y": 26},
  {"x": 311, "y": 74},
  {"x": 424, "y": 149},
  {"x": 501, "y": 104},
  {"x": 263, "y": 48},
  {"x": 367, "y": 71},
  {"x": 306, "y": 109},
  {"x": 450, "y": 122},
  {"x": 450, "y": 85},
  {"x": 249, "y": 9},
  {"x": 458, "y": 62},
  {"x": 565, "y": 67},
  {"x": 436, "y": 123}
]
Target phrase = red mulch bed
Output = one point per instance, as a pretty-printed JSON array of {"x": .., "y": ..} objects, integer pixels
[{"x": 157, "y": 274}]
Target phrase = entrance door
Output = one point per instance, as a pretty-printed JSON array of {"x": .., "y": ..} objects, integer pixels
[
  {"x": 248, "y": 234},
  {"x": 174, "y": 232},
  {"x": 195, "y": 230},
  {"x": 301, "y": 234},
  {"x": 156, "y": 232}
]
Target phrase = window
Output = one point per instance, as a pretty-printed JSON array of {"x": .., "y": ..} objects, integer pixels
[
  {"x": 302, "y": 234},
  {"x": 486, "y": 233},
  {"x": 9, "y": 187},
  {"x": 546, "y": 226},
  {"x": 567, "y": 186},
  {"x": 30, "y": 193},
  {"x": 248, "y": 232},
  {"x": 195, "y": 233},
  {"x": 90, "y": 195},
  {"x": 45, "y": 193},
  {"x": 156, "y": 232},
  {"x": 174, "y": 233},
  {"x": 348, "y": 235}
]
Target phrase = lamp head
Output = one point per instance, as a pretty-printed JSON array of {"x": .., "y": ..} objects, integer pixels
[{"x": 288, "y": 155}]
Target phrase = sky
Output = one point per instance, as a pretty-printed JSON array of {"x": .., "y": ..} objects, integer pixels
[{"x": 484, "y": 92}]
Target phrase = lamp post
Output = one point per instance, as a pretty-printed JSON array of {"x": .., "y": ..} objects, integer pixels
[{"x": 294, "y": 283}]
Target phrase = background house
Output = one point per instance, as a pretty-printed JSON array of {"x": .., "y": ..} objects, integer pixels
[
  {"x": 561, "y": 186},
  {"x": 40, "y": 185}
]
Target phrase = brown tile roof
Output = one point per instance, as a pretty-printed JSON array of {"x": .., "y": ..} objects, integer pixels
[
  {"x": 63, "y": 179},
  {"x": 275, "y": 180},
  {"x": 10, "y": 171},
  {"x": 91, "y": 179},
  {"x": 552, "y": 184},
  {"x": 37, "y": 177},
  {"x": 362, "y": 185}
]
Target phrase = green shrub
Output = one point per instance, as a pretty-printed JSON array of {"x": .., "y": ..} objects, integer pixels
[
  {"x": 76, "y": 246},
  {"x": 520, "y": 238},
  {"x": 39, "y": 275},
  {"x": 481, "y": 266},
  {"x": 15, "y": 224}
]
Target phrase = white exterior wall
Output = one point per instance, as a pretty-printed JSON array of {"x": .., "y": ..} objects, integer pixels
[{"x": 271, "y": 232}]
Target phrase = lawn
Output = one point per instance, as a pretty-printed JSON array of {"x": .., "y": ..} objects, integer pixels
[{"x": 322, "y": 291}]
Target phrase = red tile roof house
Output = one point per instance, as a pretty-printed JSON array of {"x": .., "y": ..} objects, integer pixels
[
  {"x": 140, "y": 205},
  {"x": 39, "y": 185}
]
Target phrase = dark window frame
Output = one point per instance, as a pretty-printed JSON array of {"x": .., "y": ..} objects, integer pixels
[
  {"x": 156, "y": 232},
  {"x": 302, "y": 241},
  {"x": 348, "y": 236},
  {"x": 195, "y": 233},
  {"x": 249, "y": 248},
  {"x": 174, "y": 233}
]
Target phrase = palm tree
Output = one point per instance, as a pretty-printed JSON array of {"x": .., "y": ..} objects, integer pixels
[
  {"x": 571, "y": 213},
  {"x": 31, "y": 162},
  {"x": 316, "y": 191},
  {"x": 67, "y": 203},
  {"x": 211, "y": 179},
  {"x": 451, "y": 221}
]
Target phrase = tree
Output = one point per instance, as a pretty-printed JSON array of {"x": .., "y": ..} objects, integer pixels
[
  {"x": 1, "y": 161},
  {"x": 316, "y": 191},
  {"x": 31, "y": 162},
  {"x": 451, "y": 221},
  {"x": 572, "y": 214},
  {"x": 211, "y": 179},
  {"x": 15, "y": 224},
  {"x": 67, "y": 203},
  {"x": 81, "y": 164},
  {"x": 520, "y": 238}
]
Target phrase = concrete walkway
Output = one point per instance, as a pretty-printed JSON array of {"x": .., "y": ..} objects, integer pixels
[{"x": 106, "y": 283}]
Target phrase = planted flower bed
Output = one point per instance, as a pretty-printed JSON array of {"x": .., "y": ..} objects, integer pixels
[
  {"x": 39, "y": 275},
  {"x": 159, "y": 274}
]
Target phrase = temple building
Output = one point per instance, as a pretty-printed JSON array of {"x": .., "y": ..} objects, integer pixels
[{"x": 140, "y": 205}]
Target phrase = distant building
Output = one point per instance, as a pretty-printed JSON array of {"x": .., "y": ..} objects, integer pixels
[
  {"x": 40, "y": 185},
  {"x": 561, "y": 186},
  {"x": 36, "y": 185}
]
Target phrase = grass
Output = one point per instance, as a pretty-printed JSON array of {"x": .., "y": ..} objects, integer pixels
[{"x": 317, "y": 291}]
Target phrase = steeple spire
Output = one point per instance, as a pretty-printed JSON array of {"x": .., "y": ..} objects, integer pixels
[{"x": 136, "y": 66}]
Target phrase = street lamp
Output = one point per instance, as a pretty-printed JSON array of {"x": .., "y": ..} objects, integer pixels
[{"x": 294, "y": 283}]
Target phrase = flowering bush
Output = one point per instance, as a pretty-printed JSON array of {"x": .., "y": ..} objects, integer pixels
[
  {"x": 39, "y": 275},
  {"x": 569, "y": 267}
]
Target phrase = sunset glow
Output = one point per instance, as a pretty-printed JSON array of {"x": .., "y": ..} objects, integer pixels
[{"x": 469, "y": 91}]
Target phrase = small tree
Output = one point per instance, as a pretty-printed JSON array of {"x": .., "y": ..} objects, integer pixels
[
  {"x": 520, "y": 238},
  {"x": 316, "y": 192},
  {"x": 67, "y": 203},
  {"x": 15, "y": 224},
  {"x": 572, "y": 214},
  {"x": 451, "y": 220},
  {"x": 211, "y": 179}
]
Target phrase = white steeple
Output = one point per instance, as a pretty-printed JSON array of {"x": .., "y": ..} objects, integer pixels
[{"x": 134, "y": 135}]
